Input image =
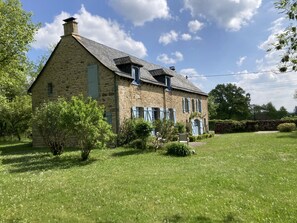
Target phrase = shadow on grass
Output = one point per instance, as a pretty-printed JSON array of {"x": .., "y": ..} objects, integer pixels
[
  {"x": 292, "y": 135},
  {"x": 128, "y": 152},
  {"x": 229, "y": 218},
  {"x": 22, "y": 157}
]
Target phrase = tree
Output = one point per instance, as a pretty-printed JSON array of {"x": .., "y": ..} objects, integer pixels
[
  {"x": 88, "y": 124},
  {"x": 16, "y": 32},
  {"x": 287, "y": 40},
  {"x": 232, "y": 102},
  {"x": 212, "y": 107},
  {"x": 15, "y": 116}
]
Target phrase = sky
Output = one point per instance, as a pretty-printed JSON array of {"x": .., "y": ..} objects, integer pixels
[{"x": 212, "y": 42}]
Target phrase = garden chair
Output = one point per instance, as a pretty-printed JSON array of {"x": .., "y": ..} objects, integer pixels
[{"x": 183, "y": 138}]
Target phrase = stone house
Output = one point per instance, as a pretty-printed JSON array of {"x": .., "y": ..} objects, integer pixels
[{"x": 127, "y": 86}]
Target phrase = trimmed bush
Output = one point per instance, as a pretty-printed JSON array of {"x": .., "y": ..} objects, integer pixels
[
  {"x": 178, "y": 149},
  {"x": 230, "y": 126},
  {"x": 286, "y": 127}
]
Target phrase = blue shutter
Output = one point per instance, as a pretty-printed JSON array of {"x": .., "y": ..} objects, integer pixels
[
  {"x": 145, "y": 114},
  {"x": 167, "y": 114},
  {"x": 93, "y": 83},
  {"x": 194, "y": 133},
  {"x": 133, "y": 112},
  {"x": 201, "y": 127},
  {"x": 174, "y": 116},
  {"x": 149, "y": 115},
  {"x": 161, "y": 114}
]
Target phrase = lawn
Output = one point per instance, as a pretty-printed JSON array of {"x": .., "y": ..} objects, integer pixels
[{"x": 245, "y": 177}]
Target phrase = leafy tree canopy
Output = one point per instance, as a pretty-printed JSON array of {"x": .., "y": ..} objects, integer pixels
[
  {"x": 231, "y": 102},
  {"x": 287, "y": 40},
  {"x": 16, "y": 31}
]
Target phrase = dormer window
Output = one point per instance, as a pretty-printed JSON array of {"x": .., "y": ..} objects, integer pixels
[
  {"x": 135, "y": 74},
  {"x": 168, "y": 82}
]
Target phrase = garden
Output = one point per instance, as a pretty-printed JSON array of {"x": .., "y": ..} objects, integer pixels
[{"x": 243, "y": 177}]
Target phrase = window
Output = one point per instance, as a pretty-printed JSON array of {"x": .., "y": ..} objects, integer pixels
[
  {"x": 199, "y": 106},
  {"x": 137, "y": 112},
  {"x": 50, "y": 89},
  {"x": 168, "y": 82},
  {"x": 187, "y": 105},
  {"x": 184, "y": 104},
  {"x": 193, "y": 105},
  {"x": 136, "y": 75},
  {"x": 156, "y": 114}
]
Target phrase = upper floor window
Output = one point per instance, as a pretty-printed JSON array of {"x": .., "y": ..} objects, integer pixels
[
  {"x": 135, "y": 74},
  {"x": 50, "y": 89},
  {"x": 168, "y": 82}
]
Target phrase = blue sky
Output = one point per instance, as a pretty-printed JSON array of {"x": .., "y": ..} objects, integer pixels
[{"x": 210, "y": 41}]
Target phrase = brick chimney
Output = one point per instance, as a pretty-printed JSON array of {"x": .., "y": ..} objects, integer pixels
[{"x": 70, "y": 26}]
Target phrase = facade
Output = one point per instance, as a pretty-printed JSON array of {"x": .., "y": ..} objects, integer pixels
[{"x": 127, "y": 86}]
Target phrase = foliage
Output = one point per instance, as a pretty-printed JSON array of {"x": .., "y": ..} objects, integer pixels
[
  {"x": 203, "y": 136},
  {"x": 52, "y": 121},
  {"x": 16, "y": 31},
  {"x": 88, "y": 125},
  {"x": 212, "y": 107},
  {"x": 286, "y": 127},
  {"x": 178, "y": 149},
  {"x": 15, "y": 116},
  {"x": 231, "y": 126},
  {"x": 127, "y": 132},
  {"x": 287, "y": 40},
  {"x": 232, "y": 102},
  {"x": 166, "y": 129},
  {"x": 181, "y": 128},
  {"x": 143, "y": 130},
  {"x": 267, "y": 112}
]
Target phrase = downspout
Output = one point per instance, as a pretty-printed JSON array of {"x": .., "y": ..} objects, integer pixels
[{"x": 116, "y": 97}]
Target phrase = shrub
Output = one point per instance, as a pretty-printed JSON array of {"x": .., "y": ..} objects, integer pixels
[
  {"x": 135, "y": 144},
  {"x": 51, "y": 121},
  {"x": 143, "y": 130},
  {"x": 166, "y": 129},
  {"x": 88, "y": 124},
  {"x": 181, "y": 128},
  {"x": 127, "y": 132},
  {"x": 178, "y": 149},
  {"x": 192, "y": 138},
  {"x": 286, "y": 127}
]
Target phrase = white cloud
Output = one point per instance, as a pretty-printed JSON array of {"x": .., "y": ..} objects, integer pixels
[
  {"x": 195, "y": 26},
  {"x": 192, "y": 73},
  {"x": 92, "y": 27},
  {"x": 141, "y": 11},
  {"x": 230, "y": 14},
  {"x": 240, "y": 61},
  {"x": 268, "y": 84},
  {"x": 175, "y": 57},
  {"x": 173, "y": 36},
  {"x": 186, "y": 37},
  {"x": 169, "y": 37}
]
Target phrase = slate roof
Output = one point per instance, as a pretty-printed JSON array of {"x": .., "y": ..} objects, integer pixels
[{"x": 109, "y": 56}]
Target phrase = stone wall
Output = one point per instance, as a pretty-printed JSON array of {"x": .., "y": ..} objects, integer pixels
[
  {"x": 148, "y": 95},
  {"x": 67, "y": 71}
]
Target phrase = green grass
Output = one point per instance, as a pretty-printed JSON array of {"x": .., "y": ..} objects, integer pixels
[{"x": 233, "y": 178}]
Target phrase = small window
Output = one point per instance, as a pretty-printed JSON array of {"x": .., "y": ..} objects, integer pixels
[
  {"x": 136, "y": 75},
  {"x": 168, "y": 82},
  {"x": 187, "y": 104},
  {"x": 50, "y": 89},
  {"x": 200, "y": 106}
]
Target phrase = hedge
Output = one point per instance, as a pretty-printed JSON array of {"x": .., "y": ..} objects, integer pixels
[{"x": 231, "y": 126}]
